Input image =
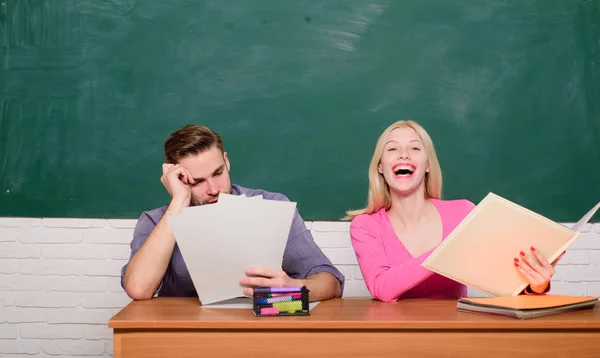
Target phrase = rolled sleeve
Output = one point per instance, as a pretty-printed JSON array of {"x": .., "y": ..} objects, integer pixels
[
  {"x": 528, "y": 291},
  {"x": 143, "y": 228}
]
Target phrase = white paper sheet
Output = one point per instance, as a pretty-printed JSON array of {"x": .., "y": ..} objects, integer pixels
[
  {"x": 243, "y": 303},
  {"x": 219, "y": 241}
]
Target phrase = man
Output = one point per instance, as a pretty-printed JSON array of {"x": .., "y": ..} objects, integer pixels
[{"x": 196, "y": 172}]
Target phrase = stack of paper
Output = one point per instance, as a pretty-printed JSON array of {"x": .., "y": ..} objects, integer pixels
[
  {"x": 479, "y": 252},
  {"x": 219, "y": 241},
  {"x": 526, "y": 306}
]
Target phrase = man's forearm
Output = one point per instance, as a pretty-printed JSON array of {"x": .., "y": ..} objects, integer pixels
[
  {"x": 148, "y": 266},
  {"x": 322, "y": 286}
]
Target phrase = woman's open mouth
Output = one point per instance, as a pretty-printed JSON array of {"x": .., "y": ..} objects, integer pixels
[{"x": 404, "y": 171}]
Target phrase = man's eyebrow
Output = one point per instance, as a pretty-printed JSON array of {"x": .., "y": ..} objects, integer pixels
[{"x": 219, "y": 169}]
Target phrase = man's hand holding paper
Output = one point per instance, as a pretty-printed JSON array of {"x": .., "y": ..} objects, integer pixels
[{"x": 266, "y": 277}]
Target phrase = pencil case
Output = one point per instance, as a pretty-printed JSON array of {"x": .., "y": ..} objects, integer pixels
[{"x": 280, "y": 301}]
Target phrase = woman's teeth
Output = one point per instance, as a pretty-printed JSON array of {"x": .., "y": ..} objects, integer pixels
[{"x": 404, "y": 170}]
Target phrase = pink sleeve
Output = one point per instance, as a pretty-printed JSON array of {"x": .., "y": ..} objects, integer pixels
[
  {"x": 528, "y": 291},
  {"x": 385, "y": 282}
]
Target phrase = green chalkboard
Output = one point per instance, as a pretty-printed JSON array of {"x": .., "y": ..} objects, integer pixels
[{"x": 300, "y": 90}]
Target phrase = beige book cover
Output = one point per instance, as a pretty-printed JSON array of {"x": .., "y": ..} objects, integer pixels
[{"x": 479, "y": 252}]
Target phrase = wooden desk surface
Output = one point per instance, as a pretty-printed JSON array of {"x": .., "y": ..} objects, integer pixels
[{"x": 340, "y": 314}]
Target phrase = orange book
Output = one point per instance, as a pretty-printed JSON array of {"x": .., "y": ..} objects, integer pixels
[
  {"x": 526, "y": 306},
  {"x": 479, "y": 252}
]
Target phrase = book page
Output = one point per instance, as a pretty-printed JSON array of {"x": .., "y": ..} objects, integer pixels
[{"x": 584, "y": 220}]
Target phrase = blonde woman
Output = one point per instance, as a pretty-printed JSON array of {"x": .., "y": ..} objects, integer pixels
[{"x": 405, "y": 220}]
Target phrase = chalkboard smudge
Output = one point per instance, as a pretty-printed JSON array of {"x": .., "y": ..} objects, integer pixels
[
  {"x": 379, "y": 106},
  {"x": 344, "y": 30}
]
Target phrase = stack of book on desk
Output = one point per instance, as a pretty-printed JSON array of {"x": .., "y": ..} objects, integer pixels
[{"x": 526, "y": 306}]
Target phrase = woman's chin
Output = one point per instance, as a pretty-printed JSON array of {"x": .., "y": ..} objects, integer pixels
[{"x": 405, "y": 188}]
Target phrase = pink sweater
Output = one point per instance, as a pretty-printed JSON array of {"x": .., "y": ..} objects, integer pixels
[{"x": 389, "y": 270}]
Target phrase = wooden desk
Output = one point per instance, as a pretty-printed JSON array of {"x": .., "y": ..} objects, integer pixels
[{"x": 179, "y": 327}]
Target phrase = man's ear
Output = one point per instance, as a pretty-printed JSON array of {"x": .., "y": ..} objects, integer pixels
[{"x": 226, "y": 160}]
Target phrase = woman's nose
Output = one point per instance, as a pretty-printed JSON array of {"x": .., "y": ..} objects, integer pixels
[{"x": 403, "y": 154}]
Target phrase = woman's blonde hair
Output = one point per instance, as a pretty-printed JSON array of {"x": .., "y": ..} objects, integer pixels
[{"x": 379, "y": 191}]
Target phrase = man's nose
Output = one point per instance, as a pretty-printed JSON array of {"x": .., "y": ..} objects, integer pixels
[{"x": 213, "y": 188}]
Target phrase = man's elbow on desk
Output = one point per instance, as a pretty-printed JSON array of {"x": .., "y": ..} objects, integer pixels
[
  {"x": 323, "y": 286},
  {"x": 136, "y": 290}
]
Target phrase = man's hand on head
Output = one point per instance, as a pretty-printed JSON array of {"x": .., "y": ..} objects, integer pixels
[
  {"x": 265, "y": 277},
  {"x": 177, "y": 180}
]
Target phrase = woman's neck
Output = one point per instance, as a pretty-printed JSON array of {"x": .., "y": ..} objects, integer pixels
[{"x": 408, "y": 210}]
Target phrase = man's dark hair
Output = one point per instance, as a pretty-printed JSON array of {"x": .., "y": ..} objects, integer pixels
[{"x": 191, "y": 139}]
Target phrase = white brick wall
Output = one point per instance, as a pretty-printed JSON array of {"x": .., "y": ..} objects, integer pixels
[
  {"x": 59, "y": 280},
  {"x": 59, "y": 285}
]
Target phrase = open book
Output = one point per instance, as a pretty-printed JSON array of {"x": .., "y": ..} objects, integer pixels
[
  {"x": 479, "y": 252},
  {"x": 525, "y": 306}
]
